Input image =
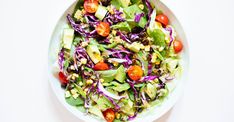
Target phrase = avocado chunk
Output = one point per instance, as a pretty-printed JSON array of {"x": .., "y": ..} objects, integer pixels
[
  {"x": 101, "y": 12},
  {"x": 68, "y": 36},
  {"x": 121, "y": 75},
  {"x": 108, "y": 75},
  {"x": 94, "y": 53},
  {"x": 135, "y": 47}
]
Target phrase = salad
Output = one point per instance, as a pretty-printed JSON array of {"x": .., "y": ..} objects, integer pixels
[{"x": 116, "y": 58}]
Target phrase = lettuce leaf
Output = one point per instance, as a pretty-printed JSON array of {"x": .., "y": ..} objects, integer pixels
[
  {"x": 75, "y": 102},
  {"x": 123, "y": 26}
]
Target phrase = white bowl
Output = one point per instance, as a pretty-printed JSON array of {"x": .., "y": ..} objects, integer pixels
[{"x": 152, "y": 113}]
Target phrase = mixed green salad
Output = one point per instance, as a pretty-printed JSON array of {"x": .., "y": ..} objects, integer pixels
[{"x": 116, "y": 57}]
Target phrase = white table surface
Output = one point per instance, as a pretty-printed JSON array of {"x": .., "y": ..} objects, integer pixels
[{"x": 25, "y": 93}]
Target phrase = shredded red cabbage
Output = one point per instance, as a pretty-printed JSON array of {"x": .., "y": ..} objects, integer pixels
[
  {"x": 61, "y": 59},
  {"x": 132, "y": 117},
  {"x": 123, "y": 37},
  {"x": 150, "y": 65},
  {"x": 171, "y": 37},
  {"x": 150, "y": 11},
  {"x": 92, "y": 20},
  {"x": 134, "y": 36},
  {"x": 101, "y": 90},
  {"x": 114, "y": 18},
  {"x": 128, "y": 63},
  {"x": 131, "y": 83},
  {"x": 150, "y": 8},
  {"x": 168, "y": 77},
  {"x": 104, "y": 41},
  {"x": 81, "y": 53},
  {"x": 80, "y": 29},
  {"x": 113, "y": 51},
  {"x": 138, "y": 17},
  {"x": 148, "y": 78}
]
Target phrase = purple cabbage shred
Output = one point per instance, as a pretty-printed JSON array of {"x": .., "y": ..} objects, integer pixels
[
  {"x": 114, "y": 18},
  {"x": 170, "y": 33},
  {"x": 138, "y": 17},
  {"x": 61, "y": 59},
  {"x": 81, "y": 53},
  {"x": 80, "y": 29},
  {"x": 123, "y": 37}
]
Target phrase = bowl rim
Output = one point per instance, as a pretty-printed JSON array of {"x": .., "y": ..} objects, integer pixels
[{"x": 148, "y": 118}]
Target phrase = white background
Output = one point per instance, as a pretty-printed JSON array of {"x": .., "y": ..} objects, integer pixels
[{"x": 25, "y": 93}]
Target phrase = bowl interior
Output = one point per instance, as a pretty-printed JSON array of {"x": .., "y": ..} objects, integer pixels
[{"x": 152, "y": 113}]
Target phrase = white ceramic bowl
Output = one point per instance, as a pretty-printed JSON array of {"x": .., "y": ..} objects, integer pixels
[{"x": 152, "y": 113}]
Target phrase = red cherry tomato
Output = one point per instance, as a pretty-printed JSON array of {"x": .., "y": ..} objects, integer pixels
[
  {"x": 162, "y": 19},
  {"x": 91, "y": 6},
  {"x": 62, "y": 78},
  {"x": 135, "y": 72},
  {"x": 103, "y": 29},
  {"x": 101, "y": 66},
  {"x": 178, "y": 46},
  {"x": 109, "y": 115}
]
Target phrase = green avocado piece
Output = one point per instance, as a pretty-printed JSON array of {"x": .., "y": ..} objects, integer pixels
[
  {"x": 108, "y": 75},
  {"x": 121, "y": 75},
  {"x": 94, "y": 53},
  {"x": 123, "y": 26},
  {"x": 128, "y": 108},
  {"x": 68, "y": 36},
  {"x": 101, "y": 12}
]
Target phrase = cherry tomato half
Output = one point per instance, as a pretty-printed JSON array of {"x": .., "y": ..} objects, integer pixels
[
  {"x": 62, "y": 78},
  {"x": 103, "y": 29},
  {"x": 178, "y": 46},
  {"x": 162, "y": 19},
  {"x": 135, "y": 72},
  {"x": 91, "y": 6},
  {"x": 101, "y": 66},
  {"x": 109, "y": 115}
]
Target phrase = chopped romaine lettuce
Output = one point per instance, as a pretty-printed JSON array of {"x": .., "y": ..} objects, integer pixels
[
  {"x": 142, "y": 57},
  {"x": 158, "y": 37},
  {"x": 159, "y": 55},
  {"x": 123, "y": 26},
  {"x": 75, "y": 102},
  {"x": 151, "y": 90},
  {"x": 120, "y": 3},
  {"x": 80, "y": 90},
  {"x": 96, "y": 111},
  {"x": 120, "y": 87},
  {"x": 131, "y": 11},
  {"x": 128, "y": 108}
]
